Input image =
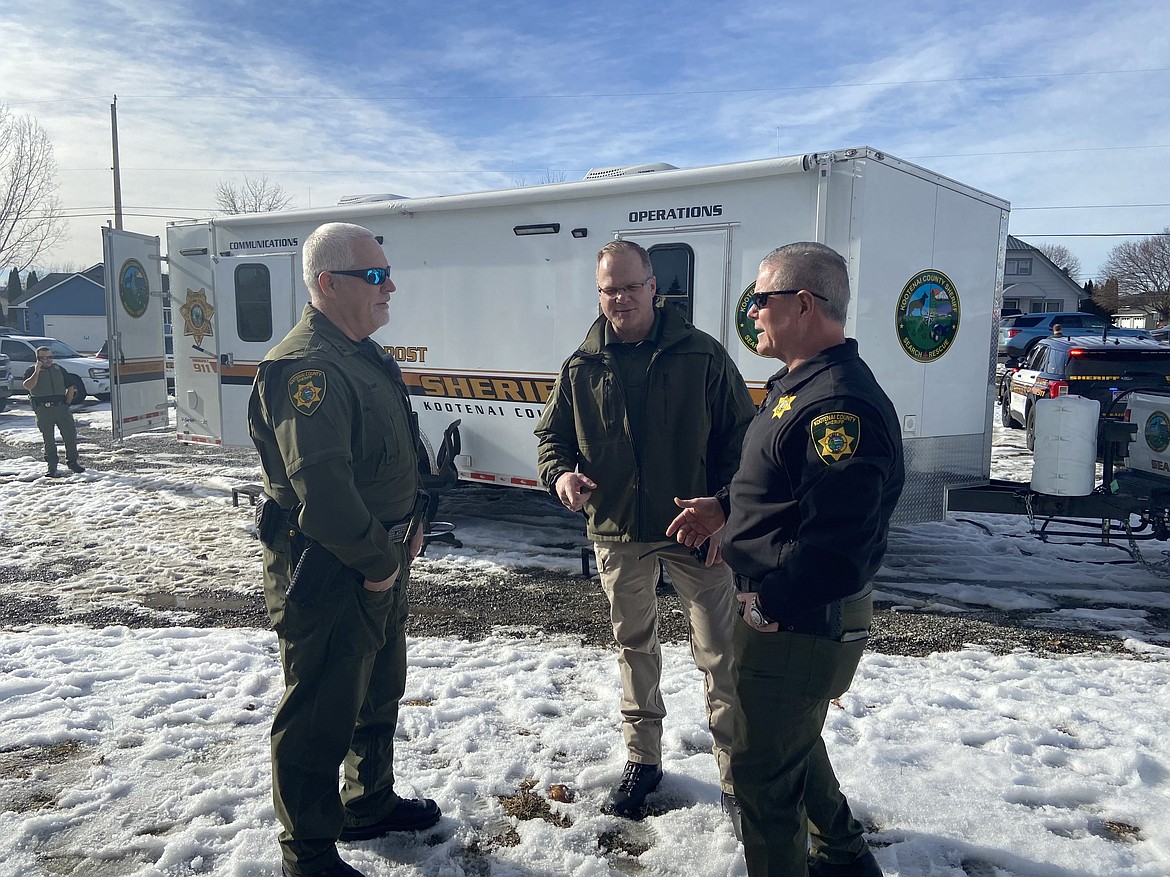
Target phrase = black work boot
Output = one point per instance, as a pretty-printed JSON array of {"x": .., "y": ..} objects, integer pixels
[
  {"x": 864, "y": 865},
  {"x": 638, "y": 781},
  {"x": 75, "y": 467},
  {"x": 409, "y": 814}
]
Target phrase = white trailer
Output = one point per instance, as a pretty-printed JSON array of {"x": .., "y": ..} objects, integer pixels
[{"x": 496, "y": 288}]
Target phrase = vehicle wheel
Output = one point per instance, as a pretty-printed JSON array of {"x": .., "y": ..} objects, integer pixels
[
  {"x": 1005, "y": 415},
  {"x": 3, "y": 404},
  {"x": 102, "y": 397},
  {"x": 78, "y": 389},
  {"x": 1031, "y": 427}
]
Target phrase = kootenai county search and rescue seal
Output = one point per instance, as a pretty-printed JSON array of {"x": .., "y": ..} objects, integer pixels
[
  {"x": 133, "y": 288},
  {"x": 1157, "y": 432},
  {"x": 927, "y": 319},
  {"x": 745, "y": 327}
]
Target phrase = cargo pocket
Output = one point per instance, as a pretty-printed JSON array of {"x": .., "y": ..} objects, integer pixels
[{"x": 800, "y": 663}]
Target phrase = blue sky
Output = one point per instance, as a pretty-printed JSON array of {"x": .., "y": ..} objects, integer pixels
[{"x": 1063, "y": 108}]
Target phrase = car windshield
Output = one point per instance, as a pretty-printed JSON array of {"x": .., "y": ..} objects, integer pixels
[
  {"x": 1107, "y": 366},
  {"x": 59, "y": 349}
]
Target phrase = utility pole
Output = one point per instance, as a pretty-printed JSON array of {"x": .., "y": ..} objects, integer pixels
[{"x": 117, "y": 167}]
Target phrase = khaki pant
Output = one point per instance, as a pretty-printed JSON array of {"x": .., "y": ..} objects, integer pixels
[
  {"x": 343, "y": 650},
  {"x": 708, "y": 598},
  {"x": 787, "y": 791}
]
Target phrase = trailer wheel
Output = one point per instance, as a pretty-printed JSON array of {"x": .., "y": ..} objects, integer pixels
[{"x": 1031, "y": 427}]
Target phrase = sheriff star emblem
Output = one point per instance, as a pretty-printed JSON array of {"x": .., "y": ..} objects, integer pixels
[
  {"x": 197, "y": 312},
  {"x": 784, "y": 403},
  {"x": 306, "y": 389},
  {"x": 836, "y": 435}
]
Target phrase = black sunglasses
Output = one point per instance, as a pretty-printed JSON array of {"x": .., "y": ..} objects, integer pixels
[
  {"x": 372, "y": 276},
  {"x": 759, "y": 299}
]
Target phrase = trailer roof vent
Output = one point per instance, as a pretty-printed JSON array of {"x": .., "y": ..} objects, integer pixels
[
  {"x": 369, "y": 199},
  {"x": 602, "y": 173}
]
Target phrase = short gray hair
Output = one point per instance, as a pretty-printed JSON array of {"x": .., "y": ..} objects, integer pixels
[
  {"x": 817, "y": 268},
  {"x": 619, "y": 247},
  {"x": 330, "y": 248}
]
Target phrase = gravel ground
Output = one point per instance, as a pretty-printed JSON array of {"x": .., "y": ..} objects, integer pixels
[{"x": 523, "y": 602}]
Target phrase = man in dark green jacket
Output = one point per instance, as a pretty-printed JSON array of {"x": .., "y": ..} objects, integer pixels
[
  {"x": 648, "y": 409},
  {"x": 333, "y": 427}
]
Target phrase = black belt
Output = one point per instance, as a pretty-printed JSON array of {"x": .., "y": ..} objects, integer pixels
[
  {"x": 47, "y": 404},
  {"x": 397, "y": 530},
  {"x": 827, "y": 620}
]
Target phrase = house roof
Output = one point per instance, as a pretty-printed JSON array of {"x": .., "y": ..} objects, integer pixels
[
  {"x": 94, "y": 274},
  {"x": 1015, "y": 244}
]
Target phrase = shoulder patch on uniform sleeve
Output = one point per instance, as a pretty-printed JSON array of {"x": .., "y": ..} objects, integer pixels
[
  {"x": 835, "y": 435},
  {"x": 306, "y": 389}
]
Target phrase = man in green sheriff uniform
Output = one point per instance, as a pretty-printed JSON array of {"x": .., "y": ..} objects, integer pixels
[
  {"x": 333, "y": 426},
  {"x": 51, "y": 394}
]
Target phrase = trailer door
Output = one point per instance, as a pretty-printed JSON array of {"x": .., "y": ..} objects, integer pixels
[
  {"x": 134, "y": 323},
  {"x": 255, "y": 308},
  {"x": 692, "y": 267}
]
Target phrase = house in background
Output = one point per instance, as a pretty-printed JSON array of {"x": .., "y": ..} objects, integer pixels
[
  {"x": 1137, "y": 318},
  {"x": 70, "y": 307},
  {"x": 1033, "y": 284}
]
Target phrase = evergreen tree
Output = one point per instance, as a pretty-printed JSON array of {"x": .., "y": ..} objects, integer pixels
[
  {"x": 31, "y": 280},
  {"x": 14, "y": 287}
]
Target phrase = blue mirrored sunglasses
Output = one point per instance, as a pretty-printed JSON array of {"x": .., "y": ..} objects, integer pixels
[{"x": 372, "y": 276}]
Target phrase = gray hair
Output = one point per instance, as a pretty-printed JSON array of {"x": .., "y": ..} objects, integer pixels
[
  {"x": 330, "y": 248},
  {"x": 620, "y": 247},
  {"x": 817, "y": 268}
]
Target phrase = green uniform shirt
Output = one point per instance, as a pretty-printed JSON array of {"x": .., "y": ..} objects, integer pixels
[{"x": 333, "y": 429}]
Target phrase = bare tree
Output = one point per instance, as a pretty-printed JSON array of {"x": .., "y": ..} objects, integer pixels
[
  {"x": 251, "y": 196},
  {"x": 1062, "y": 258},
  {"x": 30, "y": 214},
  {"x": 1142, "y": 271}
]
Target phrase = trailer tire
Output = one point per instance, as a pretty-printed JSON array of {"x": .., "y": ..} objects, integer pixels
[{"x": 1030, "y": 426}]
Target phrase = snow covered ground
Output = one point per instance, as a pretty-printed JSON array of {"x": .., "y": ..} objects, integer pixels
[{"x": 144, "y": 751}]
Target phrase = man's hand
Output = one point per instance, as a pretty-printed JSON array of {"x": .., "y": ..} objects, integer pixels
[
  {"x": 573, "y": 489},
  {"x": 384, "y": 585},
  {"x": 752, "y": 614},
  {"x": 70, "y": 392},
  {"x": 416, "y": 541},
  {"x": 700, "y": 519}
]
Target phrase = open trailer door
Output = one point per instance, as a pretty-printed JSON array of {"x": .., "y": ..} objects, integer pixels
[{"x": 134, "y": 318}]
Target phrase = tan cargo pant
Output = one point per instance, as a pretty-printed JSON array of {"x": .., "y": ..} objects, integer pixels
[{"x": 708, "y": 598}]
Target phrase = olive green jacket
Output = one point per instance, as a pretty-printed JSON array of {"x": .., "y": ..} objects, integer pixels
[
  {"x": 697, "y": 410},
  {"x": 333, "y": 428}
]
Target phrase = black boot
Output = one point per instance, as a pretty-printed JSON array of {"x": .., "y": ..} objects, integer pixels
[{"x": 638, "y": 781}]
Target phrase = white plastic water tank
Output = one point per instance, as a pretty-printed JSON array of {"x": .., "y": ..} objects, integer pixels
[{"x": 1065, "y": 456}]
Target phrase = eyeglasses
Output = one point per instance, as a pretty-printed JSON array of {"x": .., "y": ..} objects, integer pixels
[
  {"x": 45, "y": 356},
  {"x": 759, "y": 299},
  {"x": 372, "y": 276},
  {"x": 628, "y": 289}
]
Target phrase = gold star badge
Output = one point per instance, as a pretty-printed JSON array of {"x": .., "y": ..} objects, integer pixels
[
  {"x": 836, "y": 435},
  {"x": 784, "y": 403},
  {"x": 197, "y": 312},
  {"x": 306, "y": 389}
]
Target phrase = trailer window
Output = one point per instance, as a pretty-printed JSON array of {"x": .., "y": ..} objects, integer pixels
[
  {"x": 253, "y": 303},
  {"x": 674, "y": 266}
]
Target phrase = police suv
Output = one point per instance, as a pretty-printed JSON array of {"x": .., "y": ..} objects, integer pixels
[{"x": 1106, "y": 370}]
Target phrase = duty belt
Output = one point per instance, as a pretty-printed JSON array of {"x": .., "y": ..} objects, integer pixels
[
  {"x": 829, "y": 620},
  {"x": 397, "y": 530},
  {"x": 48, "y": 404}
]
